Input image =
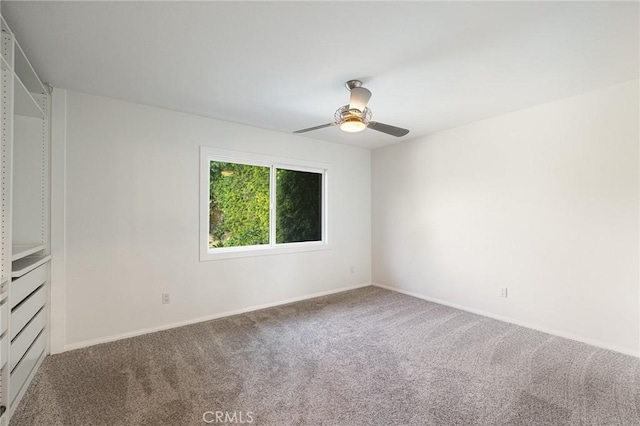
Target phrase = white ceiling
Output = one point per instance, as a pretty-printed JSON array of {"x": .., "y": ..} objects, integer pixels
[{"x": 282, "y": 65}]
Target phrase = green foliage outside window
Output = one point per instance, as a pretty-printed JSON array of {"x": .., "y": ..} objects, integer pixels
[
  {"x": 239, "y": 205},
  {"x": 298, "y": 206}
]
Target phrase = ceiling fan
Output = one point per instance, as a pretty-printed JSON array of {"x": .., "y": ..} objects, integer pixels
[{"x": 355, "y": 117}]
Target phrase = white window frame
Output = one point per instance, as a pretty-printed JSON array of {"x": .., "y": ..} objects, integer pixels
[{"x": 208, "y": 154}]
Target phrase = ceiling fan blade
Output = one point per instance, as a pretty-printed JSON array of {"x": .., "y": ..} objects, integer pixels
[
  {"x": 385, "y": 128},
  {"x": 359, "y": 98},
  {"x": 322, "y": 126}
]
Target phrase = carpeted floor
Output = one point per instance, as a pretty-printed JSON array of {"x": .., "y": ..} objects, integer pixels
[{"x": 363, "y": 357}]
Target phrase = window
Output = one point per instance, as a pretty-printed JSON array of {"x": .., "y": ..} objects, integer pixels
[
  {"x": 298, "y": 206},
  {"x": 239, "y": 200},
  {"x": 253, "y": 204}
]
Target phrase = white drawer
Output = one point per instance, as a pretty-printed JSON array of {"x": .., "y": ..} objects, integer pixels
[
  {"x": 22, "y": 371},
  {"x": 22, "y": 314},
  {"x": 20, "y": 345},
  {"x": 4, "y": 315},
  {"x": 24, "y": 286}
]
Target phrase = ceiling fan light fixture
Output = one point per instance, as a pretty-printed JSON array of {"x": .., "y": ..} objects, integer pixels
[
  {"x": 355, "y": 116},
  {"x": 352, "y": 125}
]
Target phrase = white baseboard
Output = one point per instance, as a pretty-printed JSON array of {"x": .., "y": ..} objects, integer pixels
[
  {"x": 526, "y": 324},
  {"x": 112, "y": 338}
]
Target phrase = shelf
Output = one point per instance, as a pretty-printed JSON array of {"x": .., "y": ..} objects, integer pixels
[
  {"x": 23, "y": 250},
  {"x": 24, "y": 103},
  {"x": 27, "y": 264}
]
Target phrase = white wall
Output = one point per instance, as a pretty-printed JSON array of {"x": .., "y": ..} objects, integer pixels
[
  {"x": 544, "y": 201},
  {"x": 131, "y": 222}
]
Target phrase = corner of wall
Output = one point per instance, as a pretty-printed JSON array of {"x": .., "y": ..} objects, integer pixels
[{"x": 57, "y": 286}]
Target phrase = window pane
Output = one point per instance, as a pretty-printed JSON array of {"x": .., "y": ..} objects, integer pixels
[
  {"x": 238, "y": 205},
  {"x": 298, "y": 206}
]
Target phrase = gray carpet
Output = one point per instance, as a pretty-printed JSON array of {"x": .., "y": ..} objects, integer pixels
[{"x": 363, "y": 357}]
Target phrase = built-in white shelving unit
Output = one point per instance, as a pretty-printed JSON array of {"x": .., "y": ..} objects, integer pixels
[
  {"x": 18, "y": 251},
  {"x": 28, "y": 264},
  {"x": 24, "y": 223}
]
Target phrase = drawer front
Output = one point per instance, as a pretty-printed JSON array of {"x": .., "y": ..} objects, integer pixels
[
  {"x": 24, "y": 286},
  {"x": 25, "y": 339},
  {"x": 22, "y": 371},
  {"x": 4, "y": 316},
  {"x": 21, "y": 315}
]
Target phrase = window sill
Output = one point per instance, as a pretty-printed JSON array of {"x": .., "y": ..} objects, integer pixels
[{"x": 266, "y": 250}]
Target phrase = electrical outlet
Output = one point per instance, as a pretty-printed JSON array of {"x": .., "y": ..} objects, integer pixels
[
  {"x": 503, "y": 292},
  {"x": 166, "y": 298}
]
